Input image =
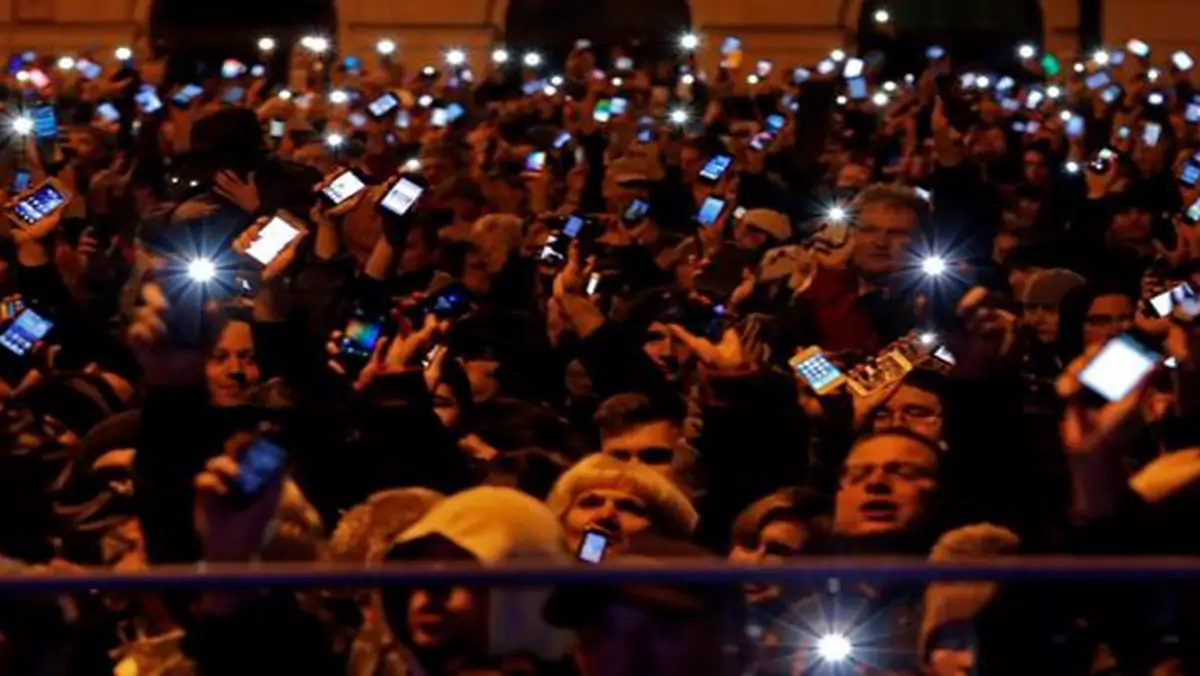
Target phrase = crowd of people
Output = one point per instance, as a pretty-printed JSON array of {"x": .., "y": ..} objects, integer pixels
[{"x": 610, "y": 310}]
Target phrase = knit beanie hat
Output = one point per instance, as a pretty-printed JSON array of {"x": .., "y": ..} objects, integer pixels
[
  {"x": 949, "y": 602},
  {"x": 1048, "y": 287}
]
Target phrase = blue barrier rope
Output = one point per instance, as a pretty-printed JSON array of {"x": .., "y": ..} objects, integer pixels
[{"x": 814, "y": 570}]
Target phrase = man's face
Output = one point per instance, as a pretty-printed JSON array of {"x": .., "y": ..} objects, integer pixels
[
  {"x": 232, "y": 370},
  {"x": 748, "y": 237},
  {"x": 1107, "y": 317},
  {"x": 1131, "y": 225},
  {"x": 1035, "y": 168},
  {"x": 449, "y": 618},
  {"x": 667, "y": 353},
  {"x": 616, "y": 512},
  {"x": 883, "y": 234},
  {"x": 631, "y": 640},
  {"x": 652, "y": 444},
  {"x": 886, "y": 485},
  {"x": 83, "y": 143},
  {"x": 912, "y": 409},
  {"x": 777, "y": 541},
  {"x": 1043, "y": 319}
]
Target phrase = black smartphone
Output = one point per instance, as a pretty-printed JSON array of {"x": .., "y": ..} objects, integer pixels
[
  {"x": 259, "y": 464},
  {"x": 363, "y": 332},
  {"x": 342, "y": 186},
  {"x": 554, "y": 251},
  {"x": 383, "y": 105},
  {"x": 450, "y": 302},
  {"x": 715, "y": 168}
]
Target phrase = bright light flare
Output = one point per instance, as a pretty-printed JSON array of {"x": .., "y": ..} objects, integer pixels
[
  {"x": 22, "y": 126},
  {"x": 338, "y": 97},
  {"x": 928, "y": 338},
  {"x": 335, "y": 140},
  {"x": 123, "y": 53},
  {"x": 834, "y": 647},
  {"x": 66, "y": 63},
  {"x": 880, "y": 99},
  {"x": 315, "y": 44},
  {"x": 689, "y": 41},
  {"x": 266, "y": 44},
  {"x": 413, "y": 164},
  {"x": 202, "y": 270},
  {"x": 838, "y": 55},
  {"x": 456, "y": 57},
  {"x": 882, "y": 16},
  {"x": 1026, "y": 52},
  {"x": 385, "y": 47},
  {"x": 1101, "y": 57},
  {"x": 532, "y": 60},
  {"x": 499, "y": 56},
  {"x": 933, "y": 266},
  {"x": 679, "y": 116}
]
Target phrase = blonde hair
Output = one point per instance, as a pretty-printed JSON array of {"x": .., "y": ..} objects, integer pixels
[{"x": 675, "y": 513}]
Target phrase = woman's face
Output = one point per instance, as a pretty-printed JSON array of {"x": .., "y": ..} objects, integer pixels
[
  {"x": 777, "y": 540},
  {"x": 1107, "y": 317},
  {"x": 616, "y": 512},
  {"x": 445, "y": 405},
  {"x": 232, "y": 370}
]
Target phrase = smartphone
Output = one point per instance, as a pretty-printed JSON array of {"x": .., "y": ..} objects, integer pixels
[
  {"x": 645, "y": 135},
  {"x": 258, "y": 70},
  {"x": 108, "y": 112},
  {"x": 453, "y": 112},
  {"x": 1182, "y": 60},
  {"x": 1118, "y": 367},
  {"x": 763, "y": 67},
  {"x": 800, "y": 75},
  {"x": 1191, "y": 215},
  {"x": 762, "y": 140},
  {"x": 554, "y": 251},
  {"x": 533, "y": 86},
  {"x": 853, "y": 69},
  {"x": 278, "y": 127},
  {"x": 400, "y": 199},
  {"x": 1192, "y": 112},
  {"x": 186, "y": 94},
  {"x": 878, "y": 373},
  {"x": 232, "y": 68},
  {"x": 603, "y": 111},
  {"x": 710, "y": 210},
  {"x": 1075, "y": 126},
  {"x": 815, "y": 369},
  {"x": 636, "y": 211},
  {"x": 1098, "y": 79},
  {"x": 38, "y": 78},
  {"x": 274, "y": 237},
  {"x": 730, "y": 45},
  {"x": 361, "y": 335},
  {"x": 45, "y": 123},
  {"x": 88, "y": 70},
  {"x": 775, "y": 122},
  {"x": 1138, "y": 48},
  {"x": 1123, "y": 132},
  {"x": 46, "y": 199},
  {"x": 1103, "y": 160},
  {"x": 260, "y": 463},
  {"x": 343, "y": 186},
  {"x": 439, "y": 118},
  {"x": 826, "y": 66},
  {"x": 623, "y": 63},
  {"x": 430, "y": 357},
  {"x": 352, "y": 64},
  {"x": 583, "y": 44},
  {"x": 21, "y": 179},
  {"x": 1190, "y": 174},
  {"x": 25, "y": 332},
  {"x": 945, "y": 356},
  {"x": 403, "y": 118},
  {"x": 935, "y": 52},
  {"x": 147, "y": 99},
  {"x": 357, "y": 120},
  {"x": 593, "y": 546},
  {"x": 535, "y": 161},
  {"x": 1111, "y": 94},
  {"x": 617, "y": 105},
  {"x": 233, "y": 95},
  {"x": 1151, "y": 133},
  {"x": 450, "y": 302},
  {"x": 383, "y": 105},
  {"x": 1163, "y": 304},
  {"x": 563, "y": 139},
  {"x": 715, "y": 168},
  {"x": 857, "y": 88}
]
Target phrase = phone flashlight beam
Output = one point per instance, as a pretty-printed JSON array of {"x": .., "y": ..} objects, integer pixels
[
  {"x": 201, "y": 270},
  {"x": 23, "y": 125},
  {"x": 456, "y": 57},
  {"x": 689, "y": 41},
  {"x": 266, "y": 44},
  {"x": 834, "y": 647},
  {"x": 933, "y": 266},
  {"x": 385, "y": 47}
]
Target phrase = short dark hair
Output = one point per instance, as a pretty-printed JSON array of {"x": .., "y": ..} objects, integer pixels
[{"x": 623, "y": 412}]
